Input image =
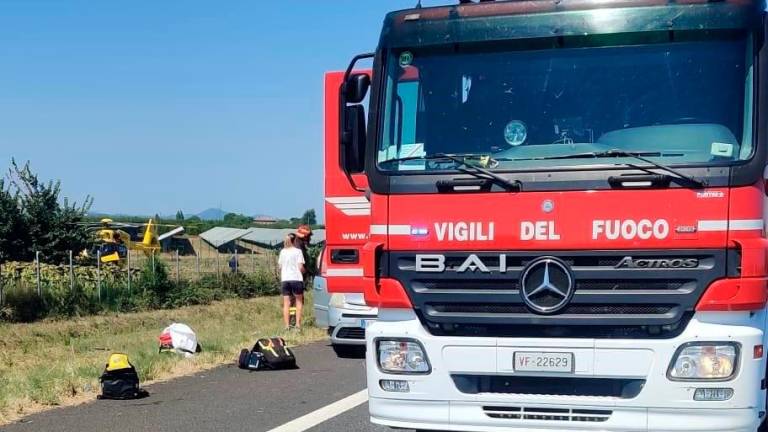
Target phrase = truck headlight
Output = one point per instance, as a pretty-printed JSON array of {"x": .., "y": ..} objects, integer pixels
[
  {"x": 704, "y": 361},
  {"x": 338, "y": 301},
  {"x": 402, "y": 356}
]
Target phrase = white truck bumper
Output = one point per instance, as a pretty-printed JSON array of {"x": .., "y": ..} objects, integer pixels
[{"x": 434, "y": 401}]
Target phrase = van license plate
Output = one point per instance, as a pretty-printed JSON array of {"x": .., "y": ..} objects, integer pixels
[{"x": 543, "y": 362}]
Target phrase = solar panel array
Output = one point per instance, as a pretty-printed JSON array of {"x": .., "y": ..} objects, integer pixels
[{"x": 220, "y": 236}]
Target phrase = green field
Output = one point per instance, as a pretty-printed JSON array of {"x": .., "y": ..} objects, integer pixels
[{"x": 51, "y": 363}]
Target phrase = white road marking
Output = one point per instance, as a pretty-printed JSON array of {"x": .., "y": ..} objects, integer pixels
[{"x": 324, "y": 414}]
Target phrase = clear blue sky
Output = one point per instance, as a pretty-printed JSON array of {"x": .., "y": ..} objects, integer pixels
[{"x": 154, "y": 106}]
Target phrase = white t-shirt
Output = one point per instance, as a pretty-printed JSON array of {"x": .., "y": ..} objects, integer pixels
[{"x": 290, "y": 261}]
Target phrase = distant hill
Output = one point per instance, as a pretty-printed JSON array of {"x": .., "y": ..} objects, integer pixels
[{"x": 212, "y": 214}]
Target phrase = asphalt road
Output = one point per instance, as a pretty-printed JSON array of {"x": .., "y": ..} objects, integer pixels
[{"x": 226, "y": 398}]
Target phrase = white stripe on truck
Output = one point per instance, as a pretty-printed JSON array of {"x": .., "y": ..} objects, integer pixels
[
  {"x": 344, "y": 272},
  {"x": 351, "y": 206},
  {"x": 732, "y": 225},
  {"x": 391, "y": 229}
]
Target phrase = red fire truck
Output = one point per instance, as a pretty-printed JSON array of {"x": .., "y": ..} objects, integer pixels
[{"x": 558, "y": 207}]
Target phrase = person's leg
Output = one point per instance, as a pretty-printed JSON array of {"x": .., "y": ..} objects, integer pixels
[
  {"x": 292, "y": 310},
  {"x": 286, "y": 311},
  {"x": 299, "y": 308}
]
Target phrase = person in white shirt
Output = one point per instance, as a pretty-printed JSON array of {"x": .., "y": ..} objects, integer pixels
[{"x": 291, "y": 262}]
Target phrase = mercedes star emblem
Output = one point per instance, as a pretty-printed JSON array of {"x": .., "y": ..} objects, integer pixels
[{"x": 546, "y": 285}]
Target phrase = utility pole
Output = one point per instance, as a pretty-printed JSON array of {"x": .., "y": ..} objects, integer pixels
[
  {"x": 98, "y": 274},
  {"x": 177, "y": 266},
  {"x": 71, "y": 273},
  {"x": 129, "y": 270},
  {"x": 37, "y": 274}
]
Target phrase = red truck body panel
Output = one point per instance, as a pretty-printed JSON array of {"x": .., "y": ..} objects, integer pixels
[{"x": 347, "y": 209}]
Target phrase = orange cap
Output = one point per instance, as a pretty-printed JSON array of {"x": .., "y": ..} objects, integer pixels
[{"x": 303, "y": 231}]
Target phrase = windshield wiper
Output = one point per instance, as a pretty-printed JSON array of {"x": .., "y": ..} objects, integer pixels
[
  {"x": 642, "y": 156},
  {"x": 461, "y": 161}
]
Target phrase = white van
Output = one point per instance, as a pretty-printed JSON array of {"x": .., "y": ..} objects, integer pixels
[{"x": 344, "y": 315}]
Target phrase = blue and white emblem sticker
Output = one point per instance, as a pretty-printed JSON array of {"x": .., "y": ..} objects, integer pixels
[{"x": 515, "y": 133}]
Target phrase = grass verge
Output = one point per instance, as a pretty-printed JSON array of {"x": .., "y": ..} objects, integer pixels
[{"x": 54, "y": 363}]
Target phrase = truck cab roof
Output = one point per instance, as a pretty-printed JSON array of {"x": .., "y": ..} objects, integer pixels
[{"x": 505, "y": 20}]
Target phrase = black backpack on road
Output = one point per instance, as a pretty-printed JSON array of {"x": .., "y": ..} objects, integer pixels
[
  {"x": 271, "y": 353},
  {"x": 120, "y": 380}
]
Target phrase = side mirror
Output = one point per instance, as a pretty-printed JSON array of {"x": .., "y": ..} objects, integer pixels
[
  {"x": 352, "y": 127},
  {"x": 356, "y": 87},
  {"x": 353, "y": 139}
]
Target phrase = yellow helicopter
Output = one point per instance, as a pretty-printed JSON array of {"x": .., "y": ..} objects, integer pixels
[{"x": 113, "y": 241}]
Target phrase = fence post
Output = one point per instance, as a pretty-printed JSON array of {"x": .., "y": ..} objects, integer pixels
[
  {"x": 253, "y": 261},
  {"x": 37, "y": 274},
  {"x": 98, "y": 274},
  {"x": 218, "y": 269},
  {"x": 129, "y": 270},
  {"x": 200, "y": 251},
  {"x": 177, "y": 266},
  {"x": 71, "y": 273},
  {"x": 2, "y": 286},
  {"x": 237, "y": 264},
  {"x": 153, "y": 263},
  {"x": 197, "y": 263}
]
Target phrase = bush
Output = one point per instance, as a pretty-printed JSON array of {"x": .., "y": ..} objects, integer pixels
[
  {"x": 185, "y": 294},
  {"x": 23, "y": 306},
  {"x": 63, "y": 301},
  {"x": 264, "y": 283},
  {"x": 153, "y": 286}
]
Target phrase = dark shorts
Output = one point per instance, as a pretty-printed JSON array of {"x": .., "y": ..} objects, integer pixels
[{"x": 293, "y": 288}]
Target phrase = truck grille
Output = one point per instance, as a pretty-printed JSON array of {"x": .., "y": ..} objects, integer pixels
[
  {"x": 547, "y": 414},
  {"x": 351, "y": 333},
  {"x": 610, "y": 299},
  {"x": 518, "y": 309},
  {"x": 549, "y": 386},
  {"x": 433, "y": 286}
]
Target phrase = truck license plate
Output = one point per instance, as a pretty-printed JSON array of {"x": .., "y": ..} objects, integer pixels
[{"x": 543, "y": 362}]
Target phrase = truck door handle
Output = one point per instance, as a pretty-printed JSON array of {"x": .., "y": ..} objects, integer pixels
[
  {"x": 345, "y": 256},
  {"x": 464, "y": 185},
  {"x": 639, "y": 181}
]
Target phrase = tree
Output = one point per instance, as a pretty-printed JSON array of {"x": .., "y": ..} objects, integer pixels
[
  {"x": 13, "y": 231},
  {"x": 234, "y": 220},
  {"x": 309, "y": 217},
  {"x": 180, "y": 216},
  {"x": 53, "y": 226}
]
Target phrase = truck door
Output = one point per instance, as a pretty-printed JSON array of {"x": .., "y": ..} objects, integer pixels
[{"x": 347, "y": 209}]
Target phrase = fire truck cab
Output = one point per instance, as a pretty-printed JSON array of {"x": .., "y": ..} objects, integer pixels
[{"x": 560, "y": 214}]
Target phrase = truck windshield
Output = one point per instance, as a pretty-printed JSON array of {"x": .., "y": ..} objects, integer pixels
[{"x": 683, "y": 99}]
